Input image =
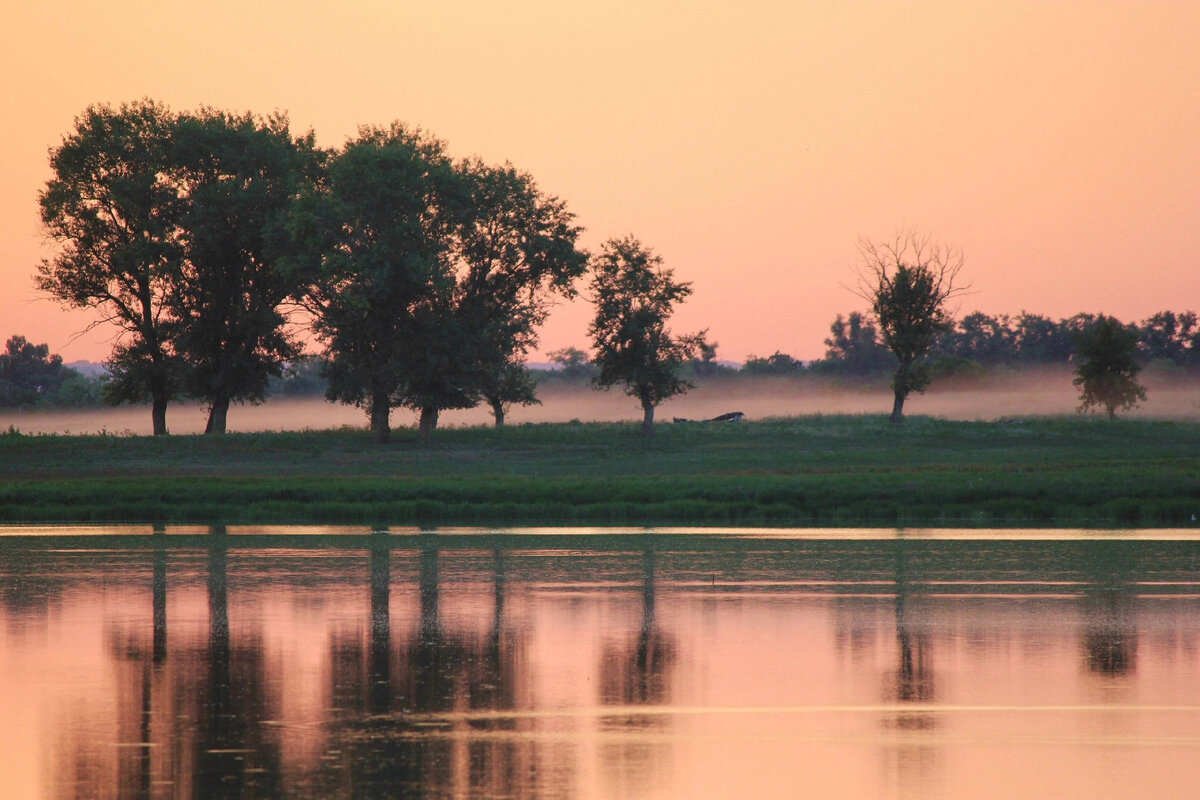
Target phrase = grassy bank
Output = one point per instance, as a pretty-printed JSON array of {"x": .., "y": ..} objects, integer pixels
[{"x": 821, "y": 470}]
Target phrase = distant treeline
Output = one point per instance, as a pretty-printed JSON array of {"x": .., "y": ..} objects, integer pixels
[
  {"x": 977, "y": 345},
  {"x": 980, "y": 343}
]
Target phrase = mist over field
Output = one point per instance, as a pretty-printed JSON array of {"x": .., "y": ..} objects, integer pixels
[{"x": 1044, "y": 392}]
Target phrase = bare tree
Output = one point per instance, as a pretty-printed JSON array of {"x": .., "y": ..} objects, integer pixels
[{"x": 908, "y": 282}]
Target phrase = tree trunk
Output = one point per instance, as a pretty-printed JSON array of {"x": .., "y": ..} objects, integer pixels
[
  {"x": 217, "y": 414},
  {"x": 380, "y": 413},
  {"x": 429, "y": 419},
  {"x": 898, "y": 407},
  {"x": 647, "y": 417},
  {"x": 158, "y": 413},
  {"x": 498, "y": 412}
]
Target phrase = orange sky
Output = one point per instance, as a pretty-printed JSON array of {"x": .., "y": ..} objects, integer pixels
[{"x": 749, "y": 143}]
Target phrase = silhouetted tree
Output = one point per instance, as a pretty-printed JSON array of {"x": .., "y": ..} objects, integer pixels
[
  {"x": 375, "y": 234},
  {"x": 29, "y": 373},
  {"x": 908, "y": 282},
  {"x": 434, "y": 276},
  {"x": 238, "y": 176},
  {"x": 634, "y": 297},
  {"x": 514, "y": 384},
  {"x": 514, "y": 249},
  {"x": 112, "y": 210},
  {"x": 1106, "y": 373}
]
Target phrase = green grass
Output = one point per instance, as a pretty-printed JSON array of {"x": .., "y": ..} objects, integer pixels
[{"x": 821, "y": 470}]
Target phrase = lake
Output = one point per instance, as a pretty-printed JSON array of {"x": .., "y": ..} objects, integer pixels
[{"x": 595, "y": 663}]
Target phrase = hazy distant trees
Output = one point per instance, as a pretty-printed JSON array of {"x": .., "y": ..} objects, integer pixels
[
  {"x": 573, "y": 364},
  {"x": 634, "y": 296},
  {"x": 775, "y": 365},
  {"x": 112, "y": 210},
  {"x": 28, "y": 372},
  {"x": 908, "y": 282},
  {"x": 854, "y": 347},
  {"x": 1106, "y": 372},
  {"x": 31, "y": 376},
  {"x": 1173, "y": 338}
]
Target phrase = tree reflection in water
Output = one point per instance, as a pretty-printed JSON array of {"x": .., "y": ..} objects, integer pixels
[
  {"x": 1110, "y": 624},
  {"x": 415, "y": 740},
  {"x": 636, "y": 673},
  {"x": 424, "y": 676},
  {"x": 234, "y": 757}
]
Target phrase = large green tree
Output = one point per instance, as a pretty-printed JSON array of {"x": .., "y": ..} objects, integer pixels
[
  {"x": 238, "y": 177},
  {"x": 112, "y": 212},
  {"x": 376, "y": 235},
  {"x": 1106, "y": 370},
  {"x": 635, "y": 297},
  {"x": 908, "y": 282},
  {"x": 433, "y": 276}
]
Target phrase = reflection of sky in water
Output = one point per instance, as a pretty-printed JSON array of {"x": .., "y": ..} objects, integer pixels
[{"x": 597, "y": 665}]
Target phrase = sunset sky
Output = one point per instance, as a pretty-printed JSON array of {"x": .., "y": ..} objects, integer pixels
[{"x": 750, "y": 144}]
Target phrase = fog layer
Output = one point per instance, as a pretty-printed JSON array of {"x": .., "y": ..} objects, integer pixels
[{"x": 1032, "y": 394}]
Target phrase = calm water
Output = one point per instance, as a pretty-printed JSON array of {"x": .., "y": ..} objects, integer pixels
[{"x": 825, "y": 664}]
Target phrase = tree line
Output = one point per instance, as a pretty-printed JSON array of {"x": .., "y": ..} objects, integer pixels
[
  {"x": 978, "y": 342},
  {"x": 212, "y": 241}
]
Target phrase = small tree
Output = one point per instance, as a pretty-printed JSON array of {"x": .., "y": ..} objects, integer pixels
[
  {"x": 908, "y": 283},
  {"x": 634, "y": 297},
  {"x": 513, "y": 384},
  {"x": 1107, "y": 370}
]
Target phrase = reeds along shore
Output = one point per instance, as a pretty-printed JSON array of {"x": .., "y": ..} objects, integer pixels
[{"x": 819, "y": 470}]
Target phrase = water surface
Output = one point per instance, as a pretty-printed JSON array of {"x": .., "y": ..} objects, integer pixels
[{"x": 598, "y": 664}]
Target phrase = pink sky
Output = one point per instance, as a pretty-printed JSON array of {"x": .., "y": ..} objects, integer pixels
[{"x": 751, "y": 144}]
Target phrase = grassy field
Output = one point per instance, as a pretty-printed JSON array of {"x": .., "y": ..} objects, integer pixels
[{"x": 815, "y": 470}]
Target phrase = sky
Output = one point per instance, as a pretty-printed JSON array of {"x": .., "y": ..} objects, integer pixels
[{"x": 752, "y": 145}]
